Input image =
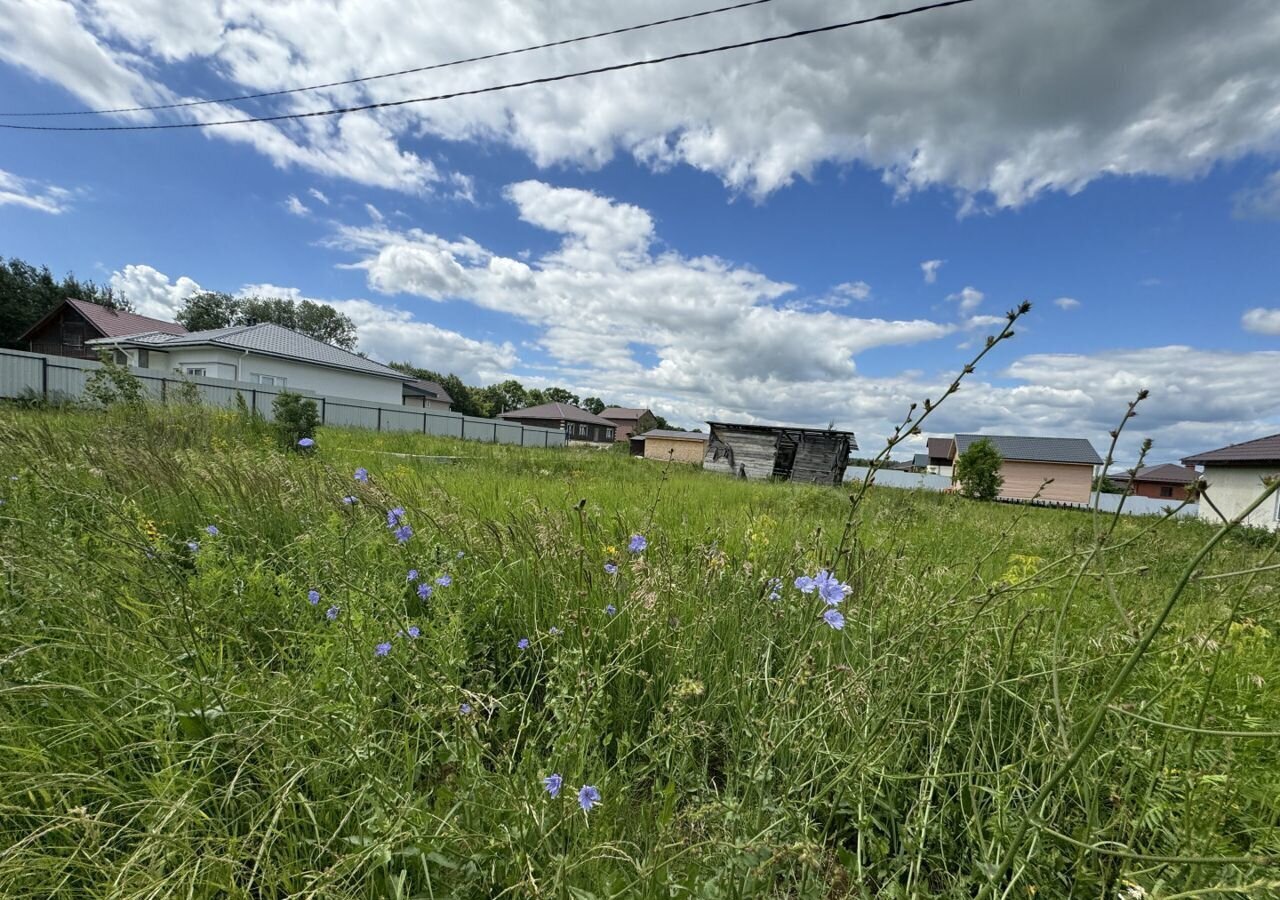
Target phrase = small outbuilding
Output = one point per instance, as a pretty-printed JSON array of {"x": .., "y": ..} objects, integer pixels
[
  {"x": 789, "y": 453},
  {"x": 1167, "y": 481},
  {"x": 1234, "y": 478},
  {"x": 663, "y": 444},
  {"x": 1031, "y": 461},
  {"x": 938, "y": 452}
]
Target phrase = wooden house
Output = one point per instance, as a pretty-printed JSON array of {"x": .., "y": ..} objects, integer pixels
[
  {"x": 784, "y": 452},
  {"x": 1028, "y": 462},
  {"x": 65, "y": 329}
]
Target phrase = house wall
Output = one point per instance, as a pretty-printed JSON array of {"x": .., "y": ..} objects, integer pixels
[
  {"x": 670, "y": 448},
  {"x": 625, "y": 428},
  {"x": 56, "y": 341},
  {"x": 1232, "y": 488},
  {"x": 425, "y": 403},
  {"x": 739, "y": 452},
  {"x": 1153, "y": 489},
  {"x": 238, "y": 366},
  {"x": 821, "y": 459},
  {"x": 1072, "y": 483}
]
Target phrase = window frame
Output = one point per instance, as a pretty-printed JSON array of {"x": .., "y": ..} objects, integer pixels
[
  {"x": 196, "y": 371},
  {"x": 269, "y": 380}
]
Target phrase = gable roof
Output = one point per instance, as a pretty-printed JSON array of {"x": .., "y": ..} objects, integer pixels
[
  {"x": 109, "y": 322},
  {"x": 938, "y": 448},
  {"x": 795, "y": 429},
  {"x": 266, "y": 338},
  {"x": 623, "y": 412},
  {"x": 432, "y": 389},
  {"x": 920, "y": 460},
  {"x": 670, "y": 435},
  {"x": 565, "y": 412},
  {"x": 1165, "y": 473},
  {"x": 1259, "y": 450},
  {"x": 1035, "y": 449}
]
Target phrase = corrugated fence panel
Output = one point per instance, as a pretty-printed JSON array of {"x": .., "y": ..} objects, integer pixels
[{"x": 64, "y": 378}]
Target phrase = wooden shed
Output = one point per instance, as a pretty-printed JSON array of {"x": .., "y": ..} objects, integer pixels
[
  {"x": 665, "y": 444},
  {"x": 788, "y": 453}
]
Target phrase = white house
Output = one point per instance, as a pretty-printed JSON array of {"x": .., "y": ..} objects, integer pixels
[
  {"x": 266, "y": 354},
  {"x": 426, "y": 395},
  {"x": 1234, "y": 477}
]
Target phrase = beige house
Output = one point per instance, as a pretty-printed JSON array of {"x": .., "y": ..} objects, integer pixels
[
  {"x": 1234, "y": 478},
  {"x": 661, "y": 444},
  {"x": 1031, "y": 461}
]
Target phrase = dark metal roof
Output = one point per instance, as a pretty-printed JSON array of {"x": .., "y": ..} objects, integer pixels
[
  {"x": 562, "y": 412},
  {"x": 109, "y": 322},
  {"x": 624, "y": 413},
  {"x": 1165, "y": 473},
  {"x": 430, "y": 389},
  {"x": 673, "y": 435},
  {"x": 1259, "y": 450},
  {"x": 920, "y": 460},
  {"x": 939, "y": 447},
  {"x": 267, "y": 338},
  {"x": 1035, "y": 449}
]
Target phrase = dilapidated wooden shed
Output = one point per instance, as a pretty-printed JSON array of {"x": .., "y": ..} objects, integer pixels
[{"x": 778, "y": 451}]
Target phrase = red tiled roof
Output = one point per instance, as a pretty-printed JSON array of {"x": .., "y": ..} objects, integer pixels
[
  {"x": 1259, "y": 450},
  {"x": 116, "y": 323},
  {"x": 1165, "y": 473}
]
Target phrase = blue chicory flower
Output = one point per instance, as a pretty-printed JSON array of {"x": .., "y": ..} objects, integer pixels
[
  {"x": 424, "y": 591},
  {"x": 444, "y": 580},
  {"x": 331, "y": 613},
  {"x": 414, "y": 631},
  {"x": 588, "y": 797},
  {"x": 211, "y": 530},
  {"x": 806, "y": 585},
  {"x": 552, "y": 783},
  {"x": 830, "y": 588},
  {"x": 610, "y": 569},
  {"x": 313, "y": 596},
  {"x": 349, "y": 500},
  {"x": 465, "y": 709},
  {"x": 306, "y": 442},
  {"x": 638, "y": 543},
  {"x": 193, "y": 546},
  {"x": 523, "y": 643},
  {"x": 834, "y": 618},
  {"x": 362, "y": 474},
  {"x": 413, "y": 575},
  {"x": 382, "y": 649},
  {"x": 610, "y": 610},
  {"x": 403, "y": 533},
  {"x": 395, "y": 516}
]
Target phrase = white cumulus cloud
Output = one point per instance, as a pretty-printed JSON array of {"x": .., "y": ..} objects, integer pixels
[
  {"x": 968, "y": 299},
  {"x": 1067, "y": 303},
  {"x": 151, "y": 292},
  {"x": 1262, "y": 321}
]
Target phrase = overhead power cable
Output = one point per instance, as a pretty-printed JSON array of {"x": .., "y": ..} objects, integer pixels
[
  {"x": 363, "y": 78},
  {"x": 547, "y": 79}
]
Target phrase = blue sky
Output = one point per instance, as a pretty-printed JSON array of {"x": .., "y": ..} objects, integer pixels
[{"x": 652, "y": 238}]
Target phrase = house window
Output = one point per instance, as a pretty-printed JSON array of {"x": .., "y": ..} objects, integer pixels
[
  {"x": 119, "y": 357},
  {"x": 197, "y": 371},
  {"x": 1166, "y": 490},
  {"x": 276, "y": 380},
  {"x": 1278, "y": 507},
  {"x": 72, "y": 334},
  {"x": 144, "y": 359}
]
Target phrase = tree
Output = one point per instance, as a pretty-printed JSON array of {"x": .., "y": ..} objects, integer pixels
[
  {"x": 215, "y": 309},
  {"x": 324, "y": 323},
  {"x": 28, "y": 294},
  {"x": 208, "y": 309},
  {"x": 594, "y": 405},
  {"x": 978, "y": 470},
  {"x": 560, "y": 395},
  {"x": 294, "y": 417}
]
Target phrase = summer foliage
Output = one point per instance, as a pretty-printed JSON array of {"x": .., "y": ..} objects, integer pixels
[
  {"x": 229, "y": 670},
  {"x": 978, "y": 471},
  {"x": 214, "y": 309}
]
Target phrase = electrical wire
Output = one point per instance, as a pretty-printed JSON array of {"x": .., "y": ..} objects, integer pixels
[
  {"x": 397, "y": 74},
  {"x": 547, "y": 79}
]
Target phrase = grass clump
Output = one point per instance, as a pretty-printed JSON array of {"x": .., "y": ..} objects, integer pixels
[{"x": 182, "y": 716}]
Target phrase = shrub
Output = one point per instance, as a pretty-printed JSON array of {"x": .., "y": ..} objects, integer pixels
[
  {"x": 295, "y": 418},
  {"x": 112, "y": 384},
  {"x": 978, "y": 471},
  {"x": 185, "y": 393}
]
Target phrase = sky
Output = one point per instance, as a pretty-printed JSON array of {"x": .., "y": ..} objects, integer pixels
[{"x": 814, "y": 231}]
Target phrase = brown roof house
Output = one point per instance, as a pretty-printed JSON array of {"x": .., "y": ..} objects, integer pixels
[
  {"x": 426, "y": 395},
  {"x": 1167, "y": 481},
  {"x": 784, "y": 452},
  {"x": 1234, "y": 478},
  {"x": 579, "y": 426},
  {"x": 629, "y": 422},
  {"x": 65, "y": 328},
  {"x": 1030, "y": 461},
  {"x": 938, "y": 451},
  {"x": 663, "y": 444}
]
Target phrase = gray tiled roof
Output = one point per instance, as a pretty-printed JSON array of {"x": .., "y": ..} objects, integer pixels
[
  {"x": 431, "y": 389},
  {"x": 1035, "y": 449},
  {"x": 673, "y": 435},
  {"x": 622, "y": 412},
  {"x": 561, "y": 412},
  {"x": 1259, "y": 450},
  {"x": 268, "y": 338}
]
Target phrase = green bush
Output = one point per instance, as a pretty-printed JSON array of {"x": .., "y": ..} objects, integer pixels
[
  {"x": 112, "y": 384},
  {"x": 295, "y": 418},
  {"x": 978, "y": 471}
]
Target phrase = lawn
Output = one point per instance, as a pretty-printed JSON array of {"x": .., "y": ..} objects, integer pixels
[{"x": 223, "y": 673}]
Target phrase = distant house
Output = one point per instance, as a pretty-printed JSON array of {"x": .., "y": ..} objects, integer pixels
[
  {"x": 426, "y": 395},
  {"x": 263, "y": 354},
  {"x": 661, "y": 444},
  {"x": 1234, "y": 477},
  {"x": 1030, "y": 461},
  {"x": 576, "y": 423},
  {"x": 67, "y": 327},
  {"x": 629, "y": 421},
  {"x": 938, "y": 450},
  {"x": 1167, "y": 481},
  {"x": 785, "y": 452}
]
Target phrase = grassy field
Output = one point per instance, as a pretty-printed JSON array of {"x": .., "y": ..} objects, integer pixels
[{"x": 180, "y": 717}]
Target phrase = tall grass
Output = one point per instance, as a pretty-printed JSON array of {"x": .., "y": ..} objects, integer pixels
[{"x": 178, "y": 722}]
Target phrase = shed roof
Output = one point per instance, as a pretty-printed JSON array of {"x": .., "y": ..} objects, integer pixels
[
  {"x": 670, "y": 435},
  {"x": 1165, "y": 473},
  {"x": 939, "y": 447},
  {"x": 565, "y": 412},
  {"x": 795, "y": 429},
  {"x": 109, "y": 322},
  {"x": 1254, "y": 452},
  {"x": 265, "y": 337},
  {"x": 1035, "y": 449},
  {"x": 432, "y": 389}
]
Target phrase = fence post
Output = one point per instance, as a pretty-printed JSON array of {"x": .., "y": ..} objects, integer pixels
[
  {"x": 323, "y": 404},
  {"x": 464, "y": 427},
  {"x": 495, "y": 432},
  {"x": 253, "y": 399},
  {"x": 424, "y": 421},
  {"x": 164, "y": 393},
  {"x": 522, "y": 430},
  {"x": 379, "y": 418},
  {"x": 44, "y": 377}
]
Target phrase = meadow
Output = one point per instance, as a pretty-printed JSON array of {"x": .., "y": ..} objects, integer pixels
[{"x": 230, "y": 670}]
